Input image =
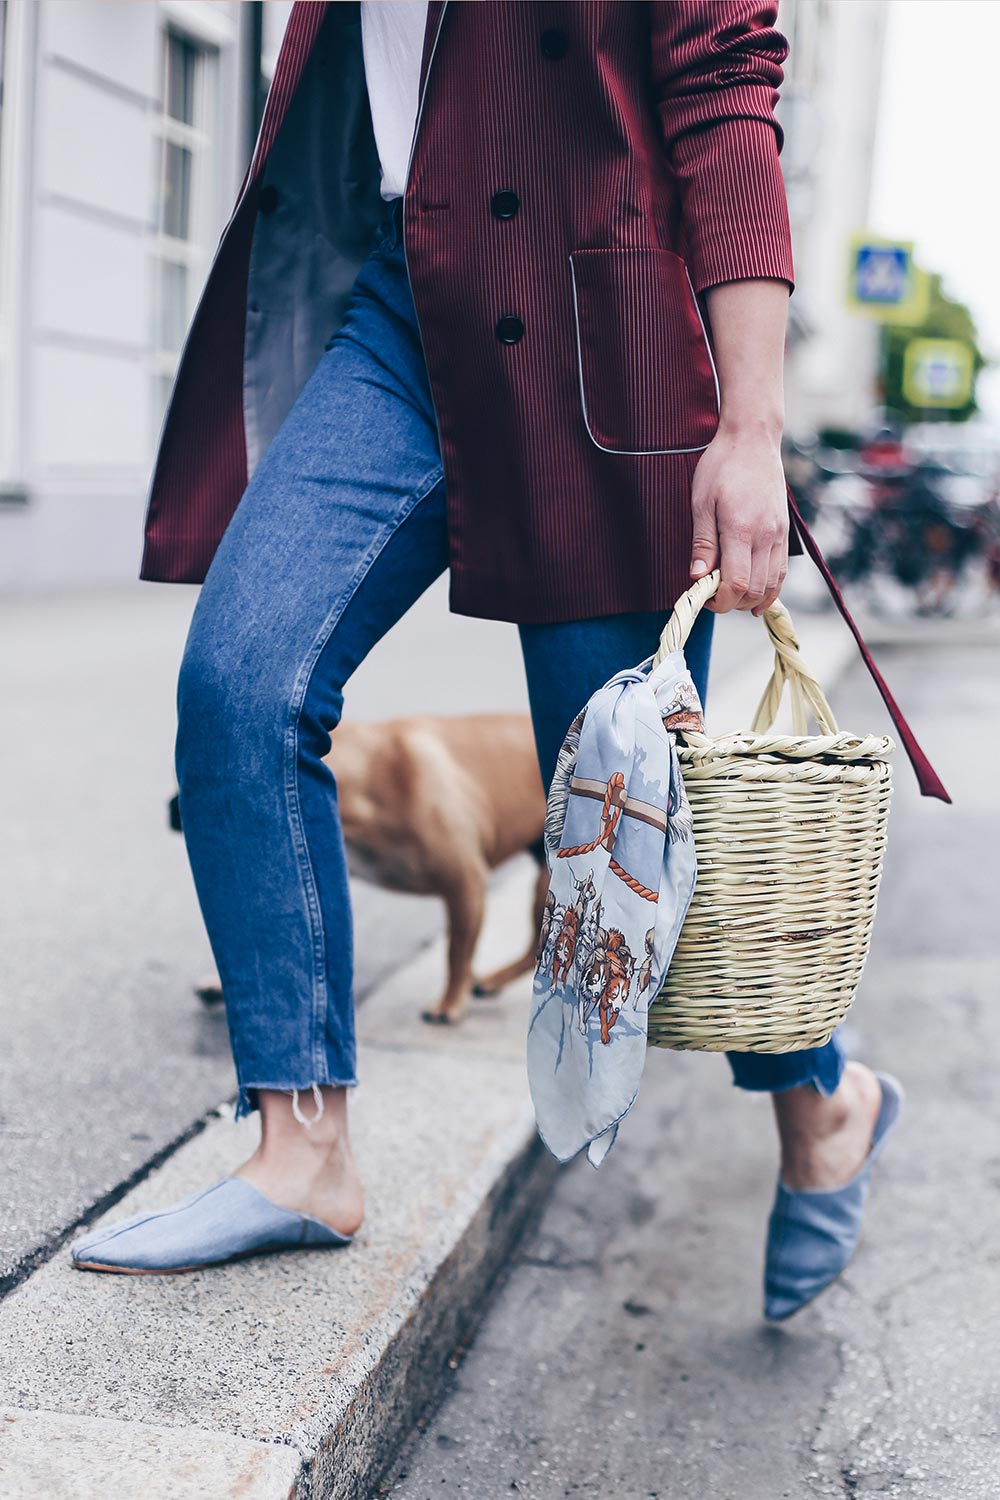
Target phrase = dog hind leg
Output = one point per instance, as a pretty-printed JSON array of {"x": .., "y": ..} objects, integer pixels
[
  {"x": 492, "y": 984},
  {"x": 466, "y": 903}
]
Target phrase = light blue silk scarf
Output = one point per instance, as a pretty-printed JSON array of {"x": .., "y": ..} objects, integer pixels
[{"x": 621, "y": 857}]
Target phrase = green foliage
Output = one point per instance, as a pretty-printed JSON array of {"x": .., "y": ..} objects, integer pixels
[{"x": 946, "y": 319}]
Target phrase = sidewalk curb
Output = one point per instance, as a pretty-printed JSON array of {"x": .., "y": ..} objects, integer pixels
[
  {"x": 297, "y": 1376},
  {"x": 409, "y": 1375}
]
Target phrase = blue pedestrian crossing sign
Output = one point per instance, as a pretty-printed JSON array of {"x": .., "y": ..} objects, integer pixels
[
  {"x": 884, "y": 281},
  {"x": 882, "y": 273}
]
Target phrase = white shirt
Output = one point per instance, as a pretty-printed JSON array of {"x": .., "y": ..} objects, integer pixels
[{"x": 392, "y": 39}]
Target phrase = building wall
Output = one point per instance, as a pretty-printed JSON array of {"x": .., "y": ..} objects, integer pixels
[
  {"x": 124, "y": 135},
  {"x": 829, "y": 108}
]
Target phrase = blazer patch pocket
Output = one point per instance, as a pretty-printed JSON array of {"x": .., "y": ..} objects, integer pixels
[{"x": 647, "y": 378}]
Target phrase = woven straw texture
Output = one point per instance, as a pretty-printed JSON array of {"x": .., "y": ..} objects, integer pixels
[{"x": 790, "y": 832}]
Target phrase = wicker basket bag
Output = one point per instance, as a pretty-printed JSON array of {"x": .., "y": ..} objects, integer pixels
[{"x": 790, "y": 832}]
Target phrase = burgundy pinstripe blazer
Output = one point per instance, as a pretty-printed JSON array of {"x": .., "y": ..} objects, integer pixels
[{"x": 571, "y": 369}]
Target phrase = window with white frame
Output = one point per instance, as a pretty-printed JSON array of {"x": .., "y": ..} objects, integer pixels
[{"x": 184, "y": 168}]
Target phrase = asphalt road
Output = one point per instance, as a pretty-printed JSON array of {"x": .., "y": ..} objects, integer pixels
[{"x": 625, "y": 1354}]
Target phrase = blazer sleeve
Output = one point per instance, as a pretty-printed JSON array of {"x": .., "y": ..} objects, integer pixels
[{"x": 716, "y": 72}]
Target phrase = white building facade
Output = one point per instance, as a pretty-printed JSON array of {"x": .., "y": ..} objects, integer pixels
[
  {"x": 125, "y": 129},
  {"x": 829, "y": 109}
]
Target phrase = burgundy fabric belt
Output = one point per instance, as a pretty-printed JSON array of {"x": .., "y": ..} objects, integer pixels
[{"x": 929, "y": 781}]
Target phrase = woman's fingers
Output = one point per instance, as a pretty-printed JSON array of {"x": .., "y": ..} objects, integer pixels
[
  {"x": 760, "y": 564},
  {"x": 705, "y": 537},
  {"x": 776, "y": 574},
  {"x": 752, "y": 573},
  {"x": 737, "y": 558}
]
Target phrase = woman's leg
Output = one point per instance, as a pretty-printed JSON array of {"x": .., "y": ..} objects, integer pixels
[
  {"x": 341, "y": 528},
  {"x": 824, "y": 1107}
]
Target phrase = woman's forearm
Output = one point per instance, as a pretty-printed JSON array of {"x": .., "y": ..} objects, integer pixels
[
  {"x": 748, "y": 331},
  {"x": 738, "y": 493}
]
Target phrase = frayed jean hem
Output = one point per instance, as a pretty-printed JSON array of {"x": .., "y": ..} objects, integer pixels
[{"x": 247, "y": 1102}]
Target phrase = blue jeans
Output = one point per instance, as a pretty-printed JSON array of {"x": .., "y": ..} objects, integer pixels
[{"x": 342, "y": 527}]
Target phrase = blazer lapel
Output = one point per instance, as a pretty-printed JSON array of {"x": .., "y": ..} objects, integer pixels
[
  {"x": 300, "y": 33},
  {"x": 435, "y": 13}
]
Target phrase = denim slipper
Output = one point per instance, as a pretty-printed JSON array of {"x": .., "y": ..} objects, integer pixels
[
  {"x": 223, "y": 1222},
  {"x": 813, "y": 1233}
]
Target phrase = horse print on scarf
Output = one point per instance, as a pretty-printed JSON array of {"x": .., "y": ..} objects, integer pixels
[{"x": 620, "y": 849}]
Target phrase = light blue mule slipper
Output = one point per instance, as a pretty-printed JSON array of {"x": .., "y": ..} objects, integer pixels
[
  {"x": 813, "y": 1233},
  {"x": 226, "y": 1221}
]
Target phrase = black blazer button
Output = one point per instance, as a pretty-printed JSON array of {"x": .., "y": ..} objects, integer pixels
[
  {"x": 505, "y": 204},
  {"x": 268, "y": 200},
  {"x": 553, "y": 42},
  {"x": 509, "y": 329}
]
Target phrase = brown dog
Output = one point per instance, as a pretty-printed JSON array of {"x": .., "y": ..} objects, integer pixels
[{"x": 430, "y": 805}]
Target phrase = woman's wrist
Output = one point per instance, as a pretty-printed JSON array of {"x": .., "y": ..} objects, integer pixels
[{"x": 752, "y": 426}]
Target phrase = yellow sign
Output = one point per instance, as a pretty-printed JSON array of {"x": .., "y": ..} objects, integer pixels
[
  {"x": 884, "y": 281},
  {"x": 937, "y": 372}
]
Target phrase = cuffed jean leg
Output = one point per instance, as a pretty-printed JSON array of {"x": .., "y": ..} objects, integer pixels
[
  {"x": 341, "y": 528},
  {"x": 773, "y": 1072}
]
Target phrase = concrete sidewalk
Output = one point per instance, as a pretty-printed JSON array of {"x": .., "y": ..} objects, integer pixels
[
  {"x": 299, "y": 1375},
  {"x": 108, "y": 1060}
]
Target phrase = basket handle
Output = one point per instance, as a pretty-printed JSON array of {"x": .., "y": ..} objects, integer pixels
[{"x": 789, "y": 667}]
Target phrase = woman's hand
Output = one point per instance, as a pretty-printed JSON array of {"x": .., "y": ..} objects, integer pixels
[
  {"x": 740, "y": 513},
  {"x": 738, "y": 497}
]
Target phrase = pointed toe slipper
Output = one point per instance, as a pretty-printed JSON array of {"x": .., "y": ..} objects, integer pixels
[
  {"x": 813, "y": 1233},
  {"x": 227, "y": 1221}
]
